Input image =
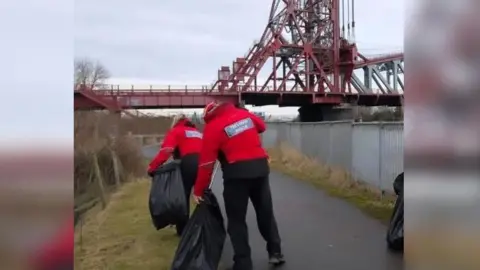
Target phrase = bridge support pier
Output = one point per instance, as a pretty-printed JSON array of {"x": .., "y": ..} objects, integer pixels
[{"x": 320, "y": 112}]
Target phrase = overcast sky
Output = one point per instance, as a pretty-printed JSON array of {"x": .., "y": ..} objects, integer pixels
[
  {"x": 36, "y": 75},
  {"x": 185, "y": 42},
  {"x": 163, "y": 41}
]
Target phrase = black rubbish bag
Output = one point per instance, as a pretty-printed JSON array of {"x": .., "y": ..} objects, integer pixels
[
  {"x": 167, "y": 202},
  {"x": 395, "y": 234},
  {"x": 398, "y": 184},
  {"x": 202, "y": 241}
]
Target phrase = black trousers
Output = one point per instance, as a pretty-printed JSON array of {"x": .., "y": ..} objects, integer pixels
[
  {"x": 189, "y": 168},
  {"x": 236, "y": 194}
]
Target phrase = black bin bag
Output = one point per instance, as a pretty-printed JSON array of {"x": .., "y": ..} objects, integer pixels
[
  {"x": 395, "y": 234},
  {"x": 167, "y": 202},
  {"x": 202, "y": 241}
]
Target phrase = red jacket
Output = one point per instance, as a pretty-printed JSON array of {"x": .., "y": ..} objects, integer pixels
[
  {"x": 183, "y": 139},
  {"x": 231, "y": 135}
]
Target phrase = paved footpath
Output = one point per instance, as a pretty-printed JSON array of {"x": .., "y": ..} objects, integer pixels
[{"x": 318, "y": 232}]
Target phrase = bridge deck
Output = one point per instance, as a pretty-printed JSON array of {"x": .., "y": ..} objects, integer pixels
[
  {"x": 171, "y": 99},
  {"x": 318, "y": 231}
]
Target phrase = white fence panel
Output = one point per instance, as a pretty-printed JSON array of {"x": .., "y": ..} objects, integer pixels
[
  {"x": 371, "y": 152},
  {"x": 366, "y": 153},
  {"x": 391, "y": 154}
]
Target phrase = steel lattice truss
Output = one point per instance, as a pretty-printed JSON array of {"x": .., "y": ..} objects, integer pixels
[
  {"x": 382, "y": 78},
  {"x": 304, "y": 43},
  {"x": 307, "y": 54}
]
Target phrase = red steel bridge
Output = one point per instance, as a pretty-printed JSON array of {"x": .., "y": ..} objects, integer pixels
[{"x": 309, "y": 55}]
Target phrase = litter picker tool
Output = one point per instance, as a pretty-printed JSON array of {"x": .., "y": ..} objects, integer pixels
[{"x": 212, "y": 180}]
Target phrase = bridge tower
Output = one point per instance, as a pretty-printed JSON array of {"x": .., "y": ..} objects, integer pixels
[
  {"x": 306, "y": 57},
  {"x": 311, "y": 47}
]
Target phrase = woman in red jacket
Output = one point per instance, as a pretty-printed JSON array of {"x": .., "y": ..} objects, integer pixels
[{"x": 183, "y": 141}]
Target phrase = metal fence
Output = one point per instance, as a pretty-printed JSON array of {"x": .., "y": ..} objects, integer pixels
[{"x": 371, "y": 152}]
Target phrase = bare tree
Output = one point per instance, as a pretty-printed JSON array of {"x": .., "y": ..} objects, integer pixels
[{"x": 90, "y": 74}]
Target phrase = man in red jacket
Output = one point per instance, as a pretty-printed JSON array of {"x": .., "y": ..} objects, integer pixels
[
  {"x": 231, "y": 135},
  {"x": 183, "y": 142}
]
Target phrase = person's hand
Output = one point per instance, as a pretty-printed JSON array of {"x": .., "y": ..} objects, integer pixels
[{"x": 197, "y": 199}]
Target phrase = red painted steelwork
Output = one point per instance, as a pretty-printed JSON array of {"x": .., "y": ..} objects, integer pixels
[
  {"x": 376, "y": 60},
  {"x": 304, "y": 43},
  {"x": 117, "y": 100},
  {"x": 312, "y": 61}
]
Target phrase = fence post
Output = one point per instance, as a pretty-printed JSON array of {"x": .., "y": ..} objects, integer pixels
[
  {"x": 352, "y": 151},
  {"x": 380, "y": 157},
  {"x": 116, "y": 167},
  {"x": 97, "y": 173},
  {"x": 330, "y": 144},
  {"x": 99, "y": 180},
  {"x": 289, "y": 135}
]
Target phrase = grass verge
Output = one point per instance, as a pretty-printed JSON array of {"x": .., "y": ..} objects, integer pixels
[
  {"x": 334, "y": 181},
  {"x": 122, "y": 236}
]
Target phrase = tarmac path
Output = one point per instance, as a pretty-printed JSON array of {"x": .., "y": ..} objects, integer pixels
[{"x": 318, "y": 232}]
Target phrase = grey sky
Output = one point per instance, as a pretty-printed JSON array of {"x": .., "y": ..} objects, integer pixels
[
  {"x": 187, "y": 41},
  {"x": 160, "y": 40},
  {"x": 36, "y": 73}
]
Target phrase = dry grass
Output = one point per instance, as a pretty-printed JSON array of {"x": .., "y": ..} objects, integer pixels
[
  {"x": 334, "y": 181},
  {"x": 122, "y": 236}
]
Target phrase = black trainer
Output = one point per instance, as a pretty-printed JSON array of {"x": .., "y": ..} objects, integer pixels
[{"x": 276, "y": 259}]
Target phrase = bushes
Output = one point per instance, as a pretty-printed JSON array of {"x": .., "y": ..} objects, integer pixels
[
  {"x": 146, "y": 124},
  {"x": 126, "y": 151},
  {"x": 119, "y": 158}
]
